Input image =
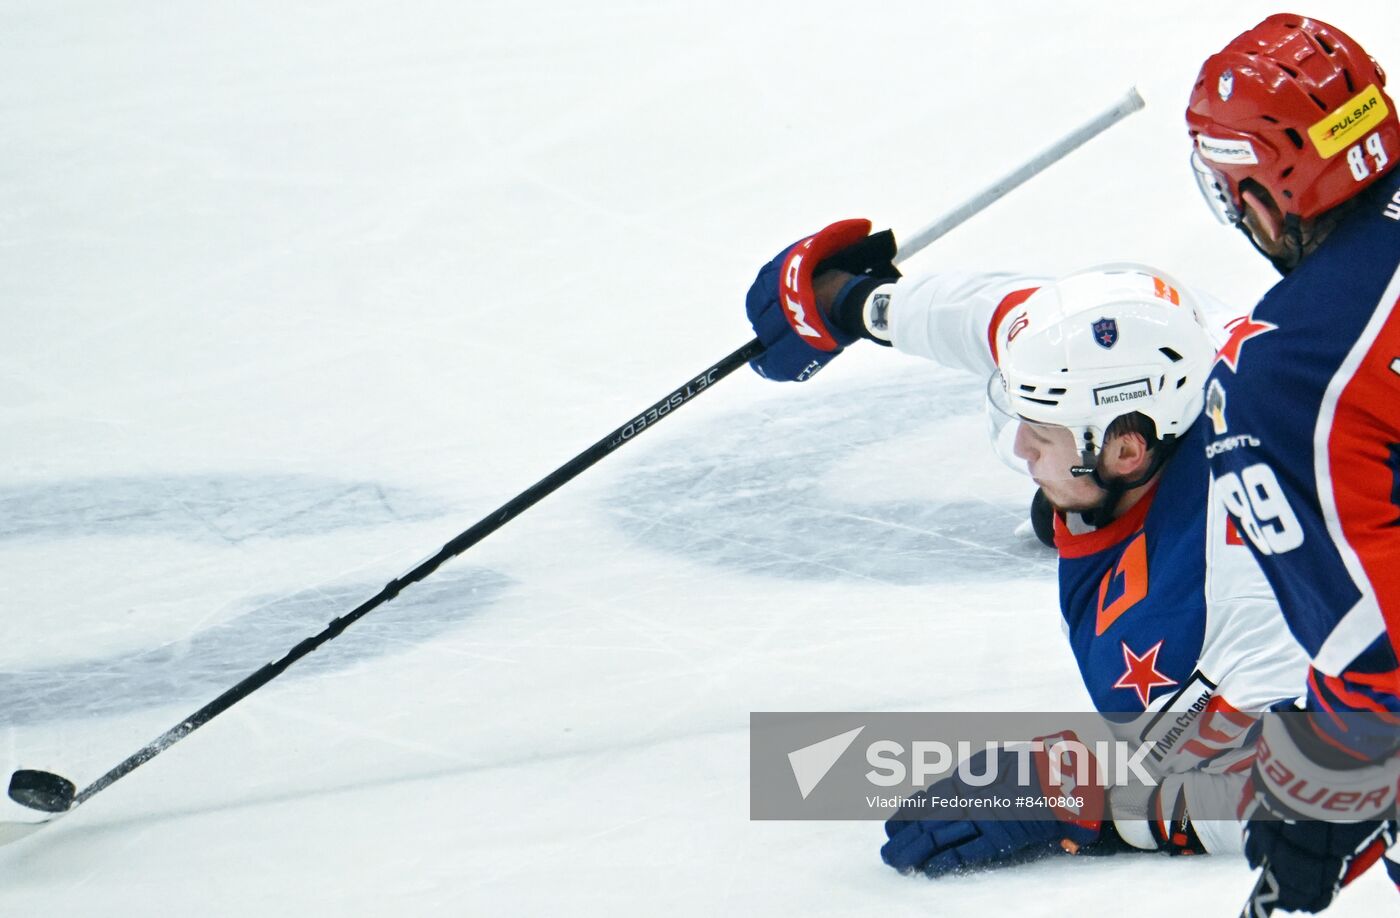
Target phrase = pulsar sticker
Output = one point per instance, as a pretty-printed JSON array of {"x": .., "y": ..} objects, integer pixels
[{"x": 1348, "y": 122}]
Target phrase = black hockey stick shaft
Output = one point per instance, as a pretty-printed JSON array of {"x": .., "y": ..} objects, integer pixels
[
  {"x": 1263, "y": 898},
  {"x": 460, "y": 543},
  {"x": 51, "y": 792}
]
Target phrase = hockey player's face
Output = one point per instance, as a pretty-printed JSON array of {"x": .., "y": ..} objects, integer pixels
[{"x": 1049, "y": 453}]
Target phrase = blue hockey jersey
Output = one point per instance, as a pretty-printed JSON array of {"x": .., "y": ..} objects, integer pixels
[
  {"x": 1133, "y": 593},
  {"x": 1164, "y": 607},
  {"x": 1304, "y": 407}
]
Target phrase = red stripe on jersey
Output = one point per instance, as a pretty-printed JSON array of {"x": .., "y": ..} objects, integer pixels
[
  {"x": 1222, "y": 723},
  {"x": 1070, "y": 545},
  {"x": 1365, "y": 422},
  {"x": 1218, "y": 705},
  {"x": 1315, "y": 694},
  {"x": 1324, "y": 736},
  {"x": 1355, "y": 701},
  {"x": 1384, "y": 681},
  {"x": 1343, "y": 690},
  {"x": 1316, "y": 690},
  {"x": 1008, "y": 303},
  {"x": 1221, "y": 727}
]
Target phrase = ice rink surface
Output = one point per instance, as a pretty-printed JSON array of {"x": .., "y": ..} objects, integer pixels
[{"x": 294, "y": 292}]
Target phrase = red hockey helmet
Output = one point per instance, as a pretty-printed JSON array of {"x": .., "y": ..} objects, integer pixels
[{"x": 1297, "y": 106}]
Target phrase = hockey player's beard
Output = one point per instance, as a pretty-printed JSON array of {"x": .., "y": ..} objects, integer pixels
[
  {"x": 1286, "y": 240},
  {"x": 1111, "y": 491},
  {"x": 1073, "y": 495},
  {"x": 1284, "y": 253}
]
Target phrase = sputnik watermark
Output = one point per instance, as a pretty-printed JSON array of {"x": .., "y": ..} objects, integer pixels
[
  {"x": 855, "y": 766},
  {"x": 812, "y": 763},
  {"x": 1036, "y": 766},
  {"x": 1068, "y": 760},
  {"x": 934, "y": 804}
]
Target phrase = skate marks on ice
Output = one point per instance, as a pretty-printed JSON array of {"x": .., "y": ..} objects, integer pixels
[
  {"x": 213, "y": 659},
  {"x": 220, "y": 511},
  {"x": 229, "y": 509},
  {"x": 890, "y": 481}
]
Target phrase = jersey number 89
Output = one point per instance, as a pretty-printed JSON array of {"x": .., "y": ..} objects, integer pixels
[{"x": 1255, "y": 499}]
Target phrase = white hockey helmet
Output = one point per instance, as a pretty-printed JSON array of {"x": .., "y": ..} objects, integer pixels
[{"x": 1094, "y": 346}]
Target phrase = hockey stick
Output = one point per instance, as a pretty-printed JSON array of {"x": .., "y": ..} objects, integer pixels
[
  {"x": 1263, "y": 898},
  {"x": 1129, "y": 103},
  {"x": 54, "y": 794}
]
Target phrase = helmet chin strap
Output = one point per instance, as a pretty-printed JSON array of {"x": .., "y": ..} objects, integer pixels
[{"x": 1104, "y": 512}]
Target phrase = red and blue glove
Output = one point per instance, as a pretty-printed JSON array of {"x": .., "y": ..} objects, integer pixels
[
  {"x": 1042, "y": 817},
  {"x": 799, "y": 334}
]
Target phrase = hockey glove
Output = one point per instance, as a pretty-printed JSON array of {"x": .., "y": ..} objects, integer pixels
[
  {"x": 1013, "y": 818},
  {"x": 800, "y": 336},
  {"x": 1294, "y": 803}
]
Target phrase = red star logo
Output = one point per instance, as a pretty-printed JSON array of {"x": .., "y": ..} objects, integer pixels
[
  {"x": 1241, "y": 330},
  {"x": 1141, "y": 675}
]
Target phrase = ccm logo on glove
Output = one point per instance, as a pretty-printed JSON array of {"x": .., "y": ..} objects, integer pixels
[
  {"x": 800, "y": 264},
  {"x": 782, "y": 305},
  {"x": 792, "y": 297}
]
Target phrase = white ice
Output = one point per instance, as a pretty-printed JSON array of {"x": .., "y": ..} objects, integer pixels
[{"x": 292, "y": 292}]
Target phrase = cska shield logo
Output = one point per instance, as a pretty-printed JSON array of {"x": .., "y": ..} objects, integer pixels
[
  {"x": 1106, "y": 332},
  {"x": 1226, "y": 86}
]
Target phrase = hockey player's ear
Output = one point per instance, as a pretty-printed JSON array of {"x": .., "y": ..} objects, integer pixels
[
  {"x": 1262, "y": 218},
  {"x": 1127, "y": 455}
]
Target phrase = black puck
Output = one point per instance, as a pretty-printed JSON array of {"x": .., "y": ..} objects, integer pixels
[{"x": 42, "y": 790}]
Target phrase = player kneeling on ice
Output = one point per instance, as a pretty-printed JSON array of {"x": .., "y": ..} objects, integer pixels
[{"x": 1096, "y": 389}]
